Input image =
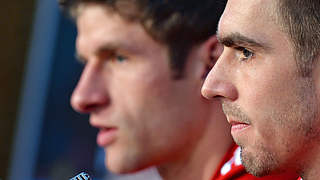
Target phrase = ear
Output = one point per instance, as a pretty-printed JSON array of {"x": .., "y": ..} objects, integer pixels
[{"x": 212, "y": 51}]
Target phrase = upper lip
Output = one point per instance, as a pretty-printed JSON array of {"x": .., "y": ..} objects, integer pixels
[
  {"x": 100, "y": 125},
  {"x": 233, "y": 121}
]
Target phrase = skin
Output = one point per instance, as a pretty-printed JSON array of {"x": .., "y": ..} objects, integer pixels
[
  {"x": 127, "y": 86},
  {"x": 273, "y": 110}
]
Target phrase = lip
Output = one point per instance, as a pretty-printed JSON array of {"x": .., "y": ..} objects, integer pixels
[
  {"x": 107, "y": 131},
  {"x": 237, "y": 126},
  {"x": 106, "y": 136}
]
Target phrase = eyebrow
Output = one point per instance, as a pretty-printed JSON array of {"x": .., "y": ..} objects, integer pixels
[
  {"x": 237, "y": 39},
  {"x": 109, "y": 47}
]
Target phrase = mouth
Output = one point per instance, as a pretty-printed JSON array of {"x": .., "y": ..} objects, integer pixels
[
  {"x": 106, "y": 136},
  {"x": 238, "y": 126}
]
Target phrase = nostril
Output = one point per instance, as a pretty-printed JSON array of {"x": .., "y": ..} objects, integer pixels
[
  {"x": 80, "y": 107},
  {"x": 80, "y": 104},
  {"x": 218, "y": 97},
  {"x": 89, "y": 105},
  {"x": 219, "y": 90},
  {"x": 88, "y": 108},
  {"x": 85, "y": 109},
  {"x": 207, "y": 93},
  {"x": 89, "y": 101}
]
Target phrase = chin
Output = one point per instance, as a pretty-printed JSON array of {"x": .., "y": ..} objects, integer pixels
[
  {"x": 122, "y": 166},
  {"x": 119, "y": 169},
  {"x": 259, "y": 163}
]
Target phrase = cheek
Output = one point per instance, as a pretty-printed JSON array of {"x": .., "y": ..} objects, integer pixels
[
  {"x": 284, "y": 113},
  {"x": 269, "y": 91},
  {"x": 269, "y": 105},
  {"x": 141, "y": 99},
  {"x": 137, "y": 83}
]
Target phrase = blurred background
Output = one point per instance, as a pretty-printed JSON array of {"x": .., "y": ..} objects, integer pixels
[{"x": 41, "y": 137}]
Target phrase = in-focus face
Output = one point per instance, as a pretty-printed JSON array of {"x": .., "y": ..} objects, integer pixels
[
  {"x": 272, "y": 109},
  {"x": 145, "y": 117}
]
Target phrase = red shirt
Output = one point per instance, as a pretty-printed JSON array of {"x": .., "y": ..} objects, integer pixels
[{"x": 231, "y": 168}]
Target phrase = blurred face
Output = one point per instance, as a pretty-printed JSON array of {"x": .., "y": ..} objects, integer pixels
[
  {"x": 144, "y": 116},
  {"x": 272, "y": 109}
]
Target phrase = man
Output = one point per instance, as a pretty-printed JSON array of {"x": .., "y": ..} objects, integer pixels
[
  {"x": 267, "y": 79},
  {"x": 143, "y": 92},
  {"x": 145, "y": 62}
]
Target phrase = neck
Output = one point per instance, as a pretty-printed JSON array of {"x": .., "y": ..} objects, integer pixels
[{"x": 201, "y": 160}]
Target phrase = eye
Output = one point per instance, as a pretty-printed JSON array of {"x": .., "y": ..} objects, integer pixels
[
  {"x": 120, "y": 58},
  {"x": 245, "y": 54}
]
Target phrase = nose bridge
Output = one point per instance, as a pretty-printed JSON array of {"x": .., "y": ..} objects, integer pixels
[
  {"x": 219, "y": 82},
  {"x": 220, "y": 69},
  {"x": 88, "y": 76},
  {"x": 215, "y": 76},
  {"x": 90, "y": 91}
]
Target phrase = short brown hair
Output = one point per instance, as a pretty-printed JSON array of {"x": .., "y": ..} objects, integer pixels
[
  {"x": 300, "y": 19},
  {"x": 180, "y": 24}
]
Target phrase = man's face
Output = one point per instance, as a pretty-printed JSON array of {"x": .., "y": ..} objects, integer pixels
[
  {"x": 272, "y": 109},
  {"x": 145, "y": 117}
]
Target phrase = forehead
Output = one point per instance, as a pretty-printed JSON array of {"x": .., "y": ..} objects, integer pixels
[
  {"x": 255, "y": 18},
  {"x": 98, "y": 26}
]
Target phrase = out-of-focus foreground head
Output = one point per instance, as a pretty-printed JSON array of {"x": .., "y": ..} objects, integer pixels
[
  {"x": 145, "y": 62},
  {"x": 268, "y": 79}
]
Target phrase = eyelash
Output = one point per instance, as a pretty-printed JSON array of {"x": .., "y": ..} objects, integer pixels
[
  {"x": 244, "y": 56},
  {"x": 118, "y": 57}
]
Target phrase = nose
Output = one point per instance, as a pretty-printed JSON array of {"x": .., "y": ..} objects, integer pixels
[
  {"x": 90, "y": 93},
  {"x": 218, "y": 83}
]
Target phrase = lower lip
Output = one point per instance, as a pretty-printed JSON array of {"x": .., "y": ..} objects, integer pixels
[
  {"x": 237, "y": 128},
  {"x": 106, "y": 136}
]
